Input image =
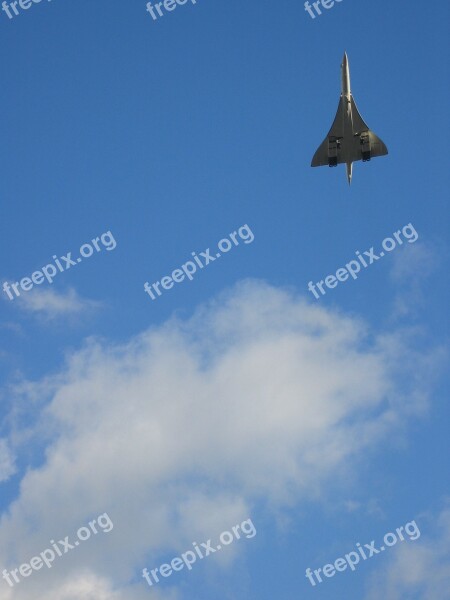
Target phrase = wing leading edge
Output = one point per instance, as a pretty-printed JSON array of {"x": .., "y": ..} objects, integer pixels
[{"x": 336, "y": 133}]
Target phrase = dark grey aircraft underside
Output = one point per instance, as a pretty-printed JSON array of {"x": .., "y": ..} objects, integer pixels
[{"x": 349, "y": 138}]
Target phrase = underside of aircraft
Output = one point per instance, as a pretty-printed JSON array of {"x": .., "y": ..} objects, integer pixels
[{"x": 349, "y": 139}]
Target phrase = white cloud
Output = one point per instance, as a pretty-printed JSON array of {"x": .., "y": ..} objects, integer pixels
[
  {"x": 412, "y": 266},
  {"x": 412, "y": 262},
  {"x": 7, "y": 467},
  {"x": 176, "y": 434},
  {"x": 371, "y": 507},
  {"x": 419, "y": 569},
  {"x": 84, "y": 585},
  {"x": 51, "y": 304}
]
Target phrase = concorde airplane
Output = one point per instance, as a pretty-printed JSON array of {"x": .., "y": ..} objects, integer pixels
[{"x": 349, "y": 138}]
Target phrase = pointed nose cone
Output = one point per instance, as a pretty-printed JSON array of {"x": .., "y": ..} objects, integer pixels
[{"x": 345, "y": 60}]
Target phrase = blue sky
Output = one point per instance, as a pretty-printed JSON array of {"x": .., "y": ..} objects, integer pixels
[{"x": 327, "y": 419}]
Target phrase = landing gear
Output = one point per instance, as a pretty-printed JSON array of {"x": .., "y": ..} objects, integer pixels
[
  {"x": 333, "y": 146},
  {"x": 332, "y": 161},
  {"x": 364, "y": 140}
]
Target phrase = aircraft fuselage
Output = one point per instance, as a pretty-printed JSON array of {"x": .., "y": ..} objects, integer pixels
[{"x": 345, "y": 77}]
